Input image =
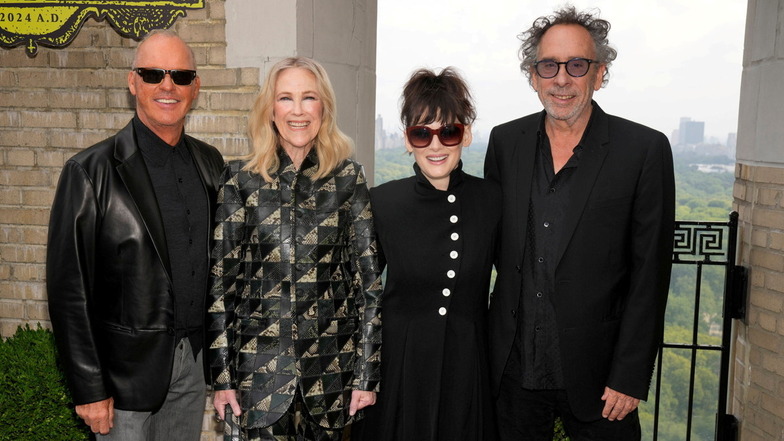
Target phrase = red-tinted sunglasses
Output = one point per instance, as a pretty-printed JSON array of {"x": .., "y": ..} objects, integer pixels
[{"x": 449, "y": 135}]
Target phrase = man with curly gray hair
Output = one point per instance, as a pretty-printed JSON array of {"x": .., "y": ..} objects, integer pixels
[{"x": 577, "y": 310}]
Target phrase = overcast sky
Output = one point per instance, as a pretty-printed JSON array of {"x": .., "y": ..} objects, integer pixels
[{"x": 675, "y": 58}]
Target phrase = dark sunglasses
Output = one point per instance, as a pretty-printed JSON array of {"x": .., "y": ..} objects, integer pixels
[
  {"x": 155, "y": 76},
  {"x": 449, "y": 135},
  {"x": 576, "y": 67}
]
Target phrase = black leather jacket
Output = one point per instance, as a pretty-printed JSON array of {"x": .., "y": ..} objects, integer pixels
[{"x": 108, "y": 273}]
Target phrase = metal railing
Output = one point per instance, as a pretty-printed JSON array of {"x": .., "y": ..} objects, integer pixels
[{"x": 700, "y": 245}]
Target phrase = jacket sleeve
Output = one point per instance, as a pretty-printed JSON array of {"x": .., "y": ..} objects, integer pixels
[
  {"x": 493, "y": 174},
  {"x": 652, "y": 230},
  {"x": 367, "y": 288},
  {"x": 226, "y": 280},
  {"x": 70, "y": 279}
]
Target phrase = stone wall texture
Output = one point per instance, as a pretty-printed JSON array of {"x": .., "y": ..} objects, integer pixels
[{"x": 757, "y": 388}]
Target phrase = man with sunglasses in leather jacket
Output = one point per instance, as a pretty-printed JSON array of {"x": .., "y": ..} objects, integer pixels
[{"x": 127, "y": 259}]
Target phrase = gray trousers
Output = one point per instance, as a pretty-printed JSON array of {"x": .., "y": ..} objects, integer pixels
[{"x": 180, "y": 417}]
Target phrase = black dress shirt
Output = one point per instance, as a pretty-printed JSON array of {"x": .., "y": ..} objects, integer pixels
[
  {"x": 186, "y": 220},
  {"x": 536, "y": 343}
]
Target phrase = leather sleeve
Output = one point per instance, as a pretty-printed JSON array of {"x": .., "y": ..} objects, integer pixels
[
  {"x": 226, "y": 279},
  {"x": 70, "y": 279},
  {"x": 367, "y": 286}
]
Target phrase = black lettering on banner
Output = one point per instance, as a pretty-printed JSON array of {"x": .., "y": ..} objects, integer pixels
[{"x": 56, "y": 23}]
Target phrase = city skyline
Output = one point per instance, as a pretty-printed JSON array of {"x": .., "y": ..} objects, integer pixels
[{"x": 728, "y": 141}]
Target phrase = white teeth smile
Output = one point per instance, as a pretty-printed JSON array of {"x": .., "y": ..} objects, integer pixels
[
  {"x": 436, "y": 158},
  {"x": 563, "y": 97},
  {"x": 299, "y": 124},
  {"x": 166, "y": 101}
]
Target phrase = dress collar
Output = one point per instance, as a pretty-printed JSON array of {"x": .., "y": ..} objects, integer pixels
[
  {"x": 286, "y": 166},
  {"x": 455, "y": 178}
]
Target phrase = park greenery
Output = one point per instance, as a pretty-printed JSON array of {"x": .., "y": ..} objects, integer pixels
[{"x": 699, "y": 196}]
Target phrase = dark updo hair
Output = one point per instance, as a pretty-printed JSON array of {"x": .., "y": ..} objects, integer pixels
[
  {"x": 568, "y": 15},
  {"x": 428, "y": 97}
]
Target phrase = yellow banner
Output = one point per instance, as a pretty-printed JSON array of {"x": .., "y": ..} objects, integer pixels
[{"x": 56, "y": 23}]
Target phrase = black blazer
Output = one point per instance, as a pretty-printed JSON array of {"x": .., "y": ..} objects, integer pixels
[
  {"x": 613, "y": 269},
  {"x": 108, "y": 273}
]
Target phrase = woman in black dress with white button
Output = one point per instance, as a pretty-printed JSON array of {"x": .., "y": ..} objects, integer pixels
[{"x": 436, "y": 231}]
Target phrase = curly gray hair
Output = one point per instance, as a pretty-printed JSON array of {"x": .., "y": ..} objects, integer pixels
[{"x": 597, "y": 27}]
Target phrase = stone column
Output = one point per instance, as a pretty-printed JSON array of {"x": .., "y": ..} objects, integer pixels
[{"x": 757, "y": 392}]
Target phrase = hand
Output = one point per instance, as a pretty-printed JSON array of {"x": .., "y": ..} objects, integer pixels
[
  {"x": 99, "y": 415},
  {"x": 617, "y": 405},
  {"x": 223, "y": 397},
  {"x": 361, "y": 399}
]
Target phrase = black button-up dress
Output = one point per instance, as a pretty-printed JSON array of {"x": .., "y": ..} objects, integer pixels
[{"x": 439, "y": 248}]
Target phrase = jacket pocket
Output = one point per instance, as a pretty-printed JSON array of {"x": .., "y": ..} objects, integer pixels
[{"x": 115, "y": 328}]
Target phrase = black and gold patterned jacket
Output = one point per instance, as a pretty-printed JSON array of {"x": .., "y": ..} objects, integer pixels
[{"x": 295, "y": 291}]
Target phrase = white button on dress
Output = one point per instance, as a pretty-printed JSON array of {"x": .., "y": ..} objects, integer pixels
[
  {"x": 451, "y": 198},
  {"x": 450, "y": 274},
  {"x": 442, "y": 311},
  {"x": 455, "y": 236},
  {"x": 446, "y": 292},
  {"x": 453, "y": 219},
  {"x": 453, "y": 254}
]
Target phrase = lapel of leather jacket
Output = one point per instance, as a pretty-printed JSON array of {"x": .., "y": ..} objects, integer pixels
[
  {"x": 134, "y": 175},
  {"x": 594, "y": 152}
]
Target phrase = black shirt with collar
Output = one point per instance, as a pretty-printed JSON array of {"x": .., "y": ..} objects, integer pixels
[
  {"x": 536, "y": 345},
  {"x": 184, "y": 208}
]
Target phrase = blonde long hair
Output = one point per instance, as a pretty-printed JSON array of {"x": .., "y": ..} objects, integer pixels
[{"x": 331, "y": 144}]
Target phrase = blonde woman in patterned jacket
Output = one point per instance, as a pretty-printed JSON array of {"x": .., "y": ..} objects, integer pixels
[{"x": 294, "y": 323}]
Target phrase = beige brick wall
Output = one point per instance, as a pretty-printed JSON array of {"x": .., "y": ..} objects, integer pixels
[
  {"x": 64, "y": 100},
  {"x": 758, "y": 385}
]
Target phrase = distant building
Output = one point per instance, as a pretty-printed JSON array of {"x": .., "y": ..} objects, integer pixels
[
  {"x": 732, "y": 142},
  {"x": 384, "y": 140},
  {"x": 379, "y": 136},
  {"x": 691, "y": 132},
  {"x": 690, "y": 138}
]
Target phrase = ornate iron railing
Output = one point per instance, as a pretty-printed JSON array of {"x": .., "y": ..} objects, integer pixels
[{"x": 701, "y": 245}]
